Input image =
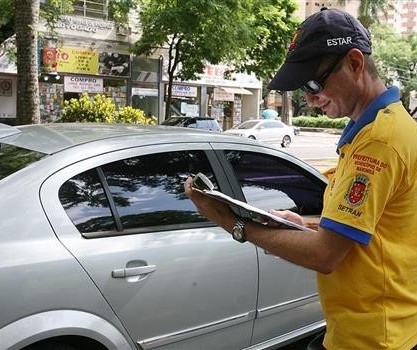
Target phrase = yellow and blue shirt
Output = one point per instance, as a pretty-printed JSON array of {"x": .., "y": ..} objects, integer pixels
[{"x": 370, "y": 301}]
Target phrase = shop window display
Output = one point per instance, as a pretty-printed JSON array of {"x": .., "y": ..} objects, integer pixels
[{"x": 51, "y": 101}]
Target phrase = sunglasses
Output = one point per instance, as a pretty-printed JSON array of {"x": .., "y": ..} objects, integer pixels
[{"x": 315, "y": 86}]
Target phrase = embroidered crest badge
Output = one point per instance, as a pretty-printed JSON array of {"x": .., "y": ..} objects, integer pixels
[{"x": 357, "y": 191}]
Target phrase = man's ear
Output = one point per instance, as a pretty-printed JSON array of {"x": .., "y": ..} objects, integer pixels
[{"x": 356, "y": 62}]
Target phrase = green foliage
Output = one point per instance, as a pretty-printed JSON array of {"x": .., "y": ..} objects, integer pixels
[
  {"x": 119, "y": 10},
  {"x": 369, "y": 10},
  {"x": 396, "y": 57},
  {"x": 194, "y": 32},
  {"x": 320, "y": 122},
  {"x": 273, "y": 28},
  {"x": 132, "y": 115},
  {"x": 51, "y": 10},
  {"x": 101, "y": 109},
  {"x": 6, "y": 19}
]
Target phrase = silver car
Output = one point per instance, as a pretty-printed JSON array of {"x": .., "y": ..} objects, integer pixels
[{"x": 101, "y": 249}]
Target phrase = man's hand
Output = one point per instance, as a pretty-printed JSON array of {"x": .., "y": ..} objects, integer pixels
[
  {"x": 214, "y": 210},
  {"x": 288, "y": 215}
]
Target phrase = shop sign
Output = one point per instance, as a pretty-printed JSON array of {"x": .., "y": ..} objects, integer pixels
[
  {"x": 184, "y": 91},
  {"x": 73, "y": 60},
  {"x": 221, "y": 95},
  {"x": 144, "y": 92},
  {"x": 84, "y": 24},
  {"x": 189, "y": 110},
  {"x": 83, "y": 84},
  {"x": 49, "y": 63}
]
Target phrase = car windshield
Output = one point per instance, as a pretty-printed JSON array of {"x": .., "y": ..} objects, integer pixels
[
  {"x": 13, "y": 158},
  {"x": 247, "y": 125}
]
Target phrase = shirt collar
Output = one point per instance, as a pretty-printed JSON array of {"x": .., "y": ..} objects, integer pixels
[{"x": 352, "y": 128}]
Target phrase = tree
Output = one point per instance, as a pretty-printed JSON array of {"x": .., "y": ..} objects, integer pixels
[
  {"x": 194, "y": 32},
  {"x": 369, "y": 10},
  {"x": 27, "y": 100},
  {"x": 273, "y": 29},
  {"x": 52, "y": 10},
  {"x": 6, "y": 20},
  {"x": 20, "y": 17},
  {"x": 396, "y": 57}
]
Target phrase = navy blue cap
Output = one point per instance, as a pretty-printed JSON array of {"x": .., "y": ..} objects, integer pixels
[{"x": 329, "y": 31}]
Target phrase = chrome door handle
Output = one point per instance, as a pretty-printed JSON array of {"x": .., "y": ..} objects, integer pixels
[{"x": 133, "y": 271}]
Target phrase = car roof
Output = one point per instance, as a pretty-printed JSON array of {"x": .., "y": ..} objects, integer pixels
[{"x": 53, "y": 138}]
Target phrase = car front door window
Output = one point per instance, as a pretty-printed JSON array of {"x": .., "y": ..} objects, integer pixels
[{"x": 269, "y": 182}]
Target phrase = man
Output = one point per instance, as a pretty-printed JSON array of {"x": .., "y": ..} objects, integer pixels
[{"x": 365, "y": 246}]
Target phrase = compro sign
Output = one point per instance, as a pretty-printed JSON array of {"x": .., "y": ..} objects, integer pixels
[{"x": 83, "y": 84}]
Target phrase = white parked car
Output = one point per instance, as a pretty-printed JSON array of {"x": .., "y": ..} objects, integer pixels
[{"x": 264, "y": 130}]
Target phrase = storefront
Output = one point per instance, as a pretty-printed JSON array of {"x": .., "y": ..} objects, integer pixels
[{"x": 67, "y": 72}]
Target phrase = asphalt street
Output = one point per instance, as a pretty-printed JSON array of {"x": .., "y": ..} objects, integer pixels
[{"x": 315, "y": 148}]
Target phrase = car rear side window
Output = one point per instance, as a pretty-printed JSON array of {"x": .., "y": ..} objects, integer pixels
[
  {"x": 136, "y": 194},
  {"x": 13, "y": 158},
  {"x": 84, "y": 199},
  {"x": 269, "y": 182}
]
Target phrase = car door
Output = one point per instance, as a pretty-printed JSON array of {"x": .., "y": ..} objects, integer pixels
[
  {"x": 268, "y": 131},
  {"x": 268, "y": 179},
  {"x": 175, "y": 280}
]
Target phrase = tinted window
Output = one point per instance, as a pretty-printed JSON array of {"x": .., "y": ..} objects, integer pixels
[
  {"x": 14, "y": 158},
  {"x": 144, "y": 192},
  {"x": 269, "y": 182},
  {"x": 148, "y": 190},
  {"x": 85, "y": 202}
]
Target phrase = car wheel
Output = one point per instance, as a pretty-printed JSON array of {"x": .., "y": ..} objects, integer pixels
[
  {"x": 286, "y": 141},
  {"x": 251, "y": 137}
]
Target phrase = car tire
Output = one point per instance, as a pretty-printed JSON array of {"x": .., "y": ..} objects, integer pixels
[
  {"x": 251, "y": 137},
  {"x": 286, "y": 141}
]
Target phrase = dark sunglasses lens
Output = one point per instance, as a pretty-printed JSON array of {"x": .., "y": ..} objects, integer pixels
[{"x": 312, "y": 87}]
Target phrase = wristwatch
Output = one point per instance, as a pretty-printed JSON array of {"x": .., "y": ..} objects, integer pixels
[{"x": 238, "y": 233}]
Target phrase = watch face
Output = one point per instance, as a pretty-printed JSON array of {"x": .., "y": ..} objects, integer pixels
[{"x": 238, "y": 234}]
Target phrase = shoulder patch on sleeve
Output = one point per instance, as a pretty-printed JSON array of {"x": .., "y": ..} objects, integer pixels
[{"x": 357, "y": 190}]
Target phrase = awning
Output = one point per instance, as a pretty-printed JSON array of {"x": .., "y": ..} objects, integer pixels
[{"x": 236, "y": 90}]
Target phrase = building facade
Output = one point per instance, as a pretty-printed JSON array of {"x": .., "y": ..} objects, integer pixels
[{"x": 90, "y": 54}]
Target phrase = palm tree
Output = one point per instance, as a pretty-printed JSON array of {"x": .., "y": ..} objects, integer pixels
[
  {"x": 27, "y": 99},
  {"x": 369, "y": 10}
]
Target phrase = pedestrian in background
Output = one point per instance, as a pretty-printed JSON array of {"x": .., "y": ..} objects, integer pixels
[{"x": 365, "y": 245}]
